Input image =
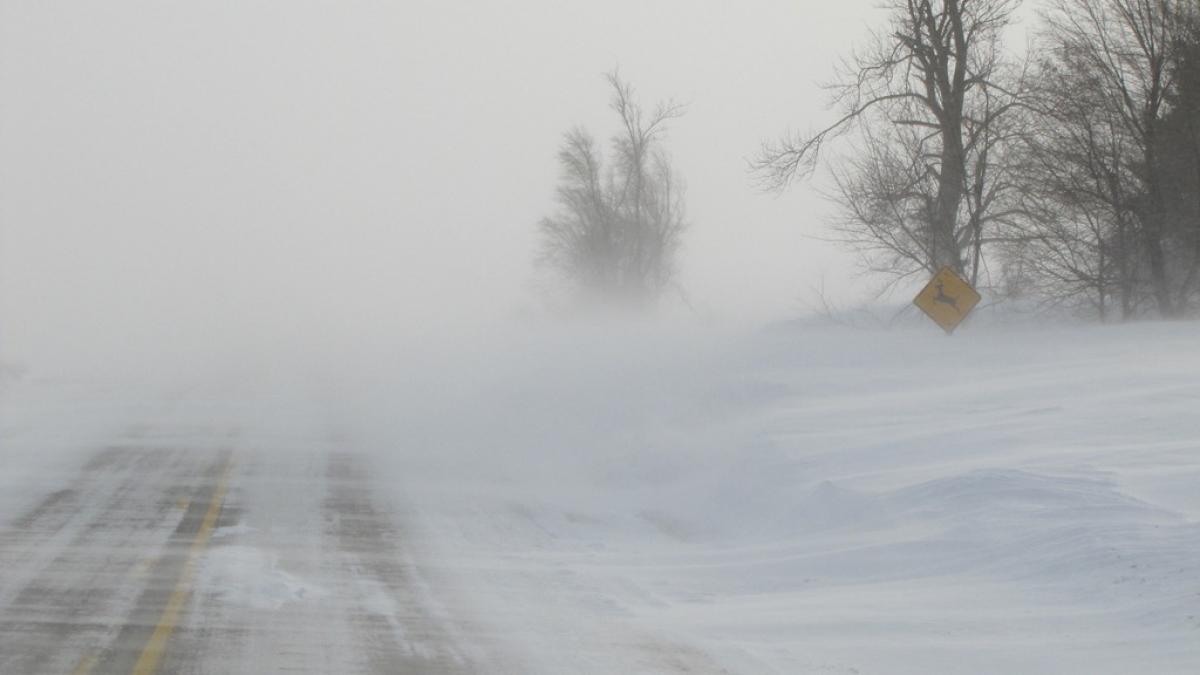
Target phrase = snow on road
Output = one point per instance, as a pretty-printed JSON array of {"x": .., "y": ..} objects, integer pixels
[
  {"x": 810, "y": 499},
  {"x": 178, "y": 549}
]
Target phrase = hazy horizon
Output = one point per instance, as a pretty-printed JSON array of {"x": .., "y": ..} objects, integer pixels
[{"x": 241, "y": 175}]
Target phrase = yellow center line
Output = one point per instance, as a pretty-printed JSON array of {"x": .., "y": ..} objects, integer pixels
[
  {"x": 152, "y": 653},
  {"x": 85, "y": 666}
]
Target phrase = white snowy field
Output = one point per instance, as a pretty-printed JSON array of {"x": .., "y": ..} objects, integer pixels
[
  {"x": 808, "y": 499},
  {"x": 821, "y": 499}
]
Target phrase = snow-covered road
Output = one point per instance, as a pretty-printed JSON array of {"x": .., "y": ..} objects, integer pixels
[{"x": 158, "y": 557}]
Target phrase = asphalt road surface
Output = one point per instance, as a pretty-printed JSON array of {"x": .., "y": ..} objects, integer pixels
[{"x": 162, "y": 559}]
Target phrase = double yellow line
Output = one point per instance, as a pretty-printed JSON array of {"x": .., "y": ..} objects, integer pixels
[{"x": 156, "y": 646}]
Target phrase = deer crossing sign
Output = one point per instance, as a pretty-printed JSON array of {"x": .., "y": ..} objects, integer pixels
[{"x": 947, "y": 299}]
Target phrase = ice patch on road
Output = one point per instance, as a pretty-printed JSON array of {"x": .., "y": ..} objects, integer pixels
[
  {"x": 232, "y": 531},
  {"x": 251, "y": 577}
]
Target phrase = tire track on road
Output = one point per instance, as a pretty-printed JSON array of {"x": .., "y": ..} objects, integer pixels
[
  {"x": 143, "y": 640},
  {"x": 397, "y": 630},
  {"x": 80, "y": 566}
]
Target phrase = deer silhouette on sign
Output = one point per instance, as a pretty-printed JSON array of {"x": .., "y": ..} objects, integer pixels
[{"x": 945, "y": 299}]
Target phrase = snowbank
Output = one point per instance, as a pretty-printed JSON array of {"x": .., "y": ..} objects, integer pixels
[{"x": 819, "y": 499}]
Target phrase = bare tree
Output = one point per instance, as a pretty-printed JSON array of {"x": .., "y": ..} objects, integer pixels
[
  {"x": 1181, "y": 150},
  {"x": 1107, "y": 150},
  {"x": 1079, "y": 245},
  {"x": 619, "y": 224},
  {"x": 932, "y": 101}
]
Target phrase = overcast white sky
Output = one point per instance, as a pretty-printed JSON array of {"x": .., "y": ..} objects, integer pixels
[{"x": 208, "y": 171}]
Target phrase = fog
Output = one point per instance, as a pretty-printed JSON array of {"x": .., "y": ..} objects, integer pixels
[
  {"x": 276, "y": 371},
  {"x": 195, "y": 180}
]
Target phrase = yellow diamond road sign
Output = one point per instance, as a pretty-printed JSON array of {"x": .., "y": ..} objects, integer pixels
[{"x": 947, "y": 299}]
